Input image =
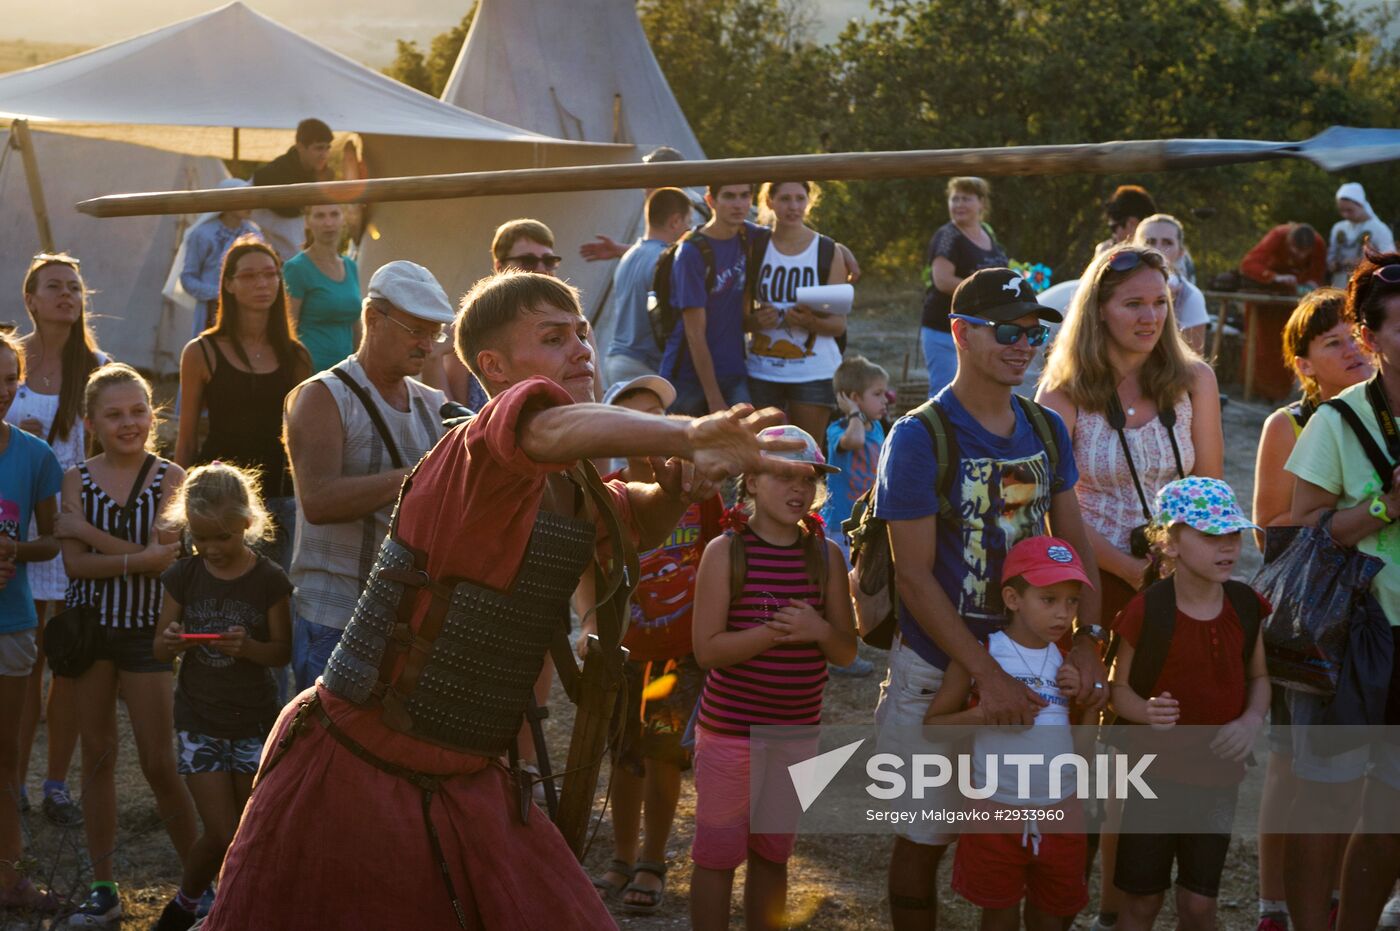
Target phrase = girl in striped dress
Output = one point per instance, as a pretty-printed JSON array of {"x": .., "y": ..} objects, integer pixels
[
  {"x": 772, "y": 609},
  {"x": 114, "y": 556}
]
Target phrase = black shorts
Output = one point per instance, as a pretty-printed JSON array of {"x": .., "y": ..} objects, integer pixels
[
  {"x": 653, "y": 728},
  {"x": 1145, "y": 856},
  {"x": 132, "y": 649}
]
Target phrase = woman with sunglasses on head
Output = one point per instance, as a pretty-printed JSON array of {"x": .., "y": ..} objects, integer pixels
[
  {"x": 1142, "y": 410},
  {"x": 960, "y": 247},
  {"x": 240, "y": 370},
  {"x": 323, "y": 289},
  {"x": 59, "y": 355},
  {"x": 1336, "y": 474},
  {"x": 1321, "y": 345}
]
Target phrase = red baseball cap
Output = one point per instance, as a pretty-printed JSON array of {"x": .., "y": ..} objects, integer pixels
[{"x": 1043, "y": 561}]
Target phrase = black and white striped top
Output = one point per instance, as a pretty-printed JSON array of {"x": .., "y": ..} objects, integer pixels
[{"x": 122, "y": 601}]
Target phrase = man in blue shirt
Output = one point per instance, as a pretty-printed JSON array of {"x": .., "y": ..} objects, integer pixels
[
  {"x": 948, "y": 555},
  {"x": 704, "y": 357},
  {"x": 633, "y": 352},
  {"x": 205, "y": 245}
]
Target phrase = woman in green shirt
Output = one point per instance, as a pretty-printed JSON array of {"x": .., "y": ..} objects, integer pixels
[{"x": 323, "y": 290}]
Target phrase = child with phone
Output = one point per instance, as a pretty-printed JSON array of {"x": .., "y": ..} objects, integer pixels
[{"x": 227, "y": 612}]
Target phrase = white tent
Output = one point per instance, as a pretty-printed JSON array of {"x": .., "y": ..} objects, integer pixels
[
  {"x": 576, "y": 70},
  {"x": 187, "y": 86},
  {"x": 579, "y": 70},
  {"x": 125, "y": 260}
]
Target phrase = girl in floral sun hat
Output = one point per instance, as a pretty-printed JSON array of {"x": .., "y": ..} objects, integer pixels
[{"x": 1207, "y": 678}]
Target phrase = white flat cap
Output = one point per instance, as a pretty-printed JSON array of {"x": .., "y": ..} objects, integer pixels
[{"x": 412, "y": 289}]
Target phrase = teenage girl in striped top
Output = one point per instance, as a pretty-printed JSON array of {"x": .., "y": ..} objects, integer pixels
[
  {"x": 114, "y": 556},
  {"x": 772, "y": 609}
]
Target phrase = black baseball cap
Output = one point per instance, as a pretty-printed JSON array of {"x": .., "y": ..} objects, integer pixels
[{"x": 999, "y": 295}]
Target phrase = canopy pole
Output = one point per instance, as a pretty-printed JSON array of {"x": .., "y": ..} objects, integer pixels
[
  {"x": 19, "y": 132},
  {"x": 235, "y": 144},
  {"x": 617, "y": 118}
]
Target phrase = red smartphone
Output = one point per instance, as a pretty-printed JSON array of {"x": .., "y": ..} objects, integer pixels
[{"x": 201, "y": 636}]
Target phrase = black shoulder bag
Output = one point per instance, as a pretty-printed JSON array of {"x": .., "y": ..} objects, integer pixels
[{"x": 74, "y": 636}]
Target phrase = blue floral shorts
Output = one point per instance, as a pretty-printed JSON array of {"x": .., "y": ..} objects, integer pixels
[{"x": 200, "y": 753}]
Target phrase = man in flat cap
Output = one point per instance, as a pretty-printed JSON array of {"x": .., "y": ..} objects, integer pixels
[{"x": 353, "y": 432}]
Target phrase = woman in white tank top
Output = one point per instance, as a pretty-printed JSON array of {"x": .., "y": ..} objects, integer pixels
[{"x": 793, "y": 352}]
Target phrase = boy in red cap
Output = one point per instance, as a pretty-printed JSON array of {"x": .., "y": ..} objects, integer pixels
[{"x": 1044, "y": 866}]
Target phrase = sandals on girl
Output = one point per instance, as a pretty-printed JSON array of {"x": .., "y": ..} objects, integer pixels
[
  {"x": 654, "y": 896},
  {"x": 612, "y": 890}
]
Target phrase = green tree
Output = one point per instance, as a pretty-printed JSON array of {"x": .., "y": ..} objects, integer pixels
[{"x": 429, "y": 73}]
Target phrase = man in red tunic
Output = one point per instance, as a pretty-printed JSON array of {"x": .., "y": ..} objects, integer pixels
[{"x": 383, "y": 801}]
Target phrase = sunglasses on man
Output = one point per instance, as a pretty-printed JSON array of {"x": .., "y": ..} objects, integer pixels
[
  {"x": 1009, "y": 334},
  {"x": 529, "y": 262}
]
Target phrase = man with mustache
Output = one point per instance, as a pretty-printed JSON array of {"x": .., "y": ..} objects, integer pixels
[
  {"x": 382, "y": 801},
  {"x": 352, "y": 434}
]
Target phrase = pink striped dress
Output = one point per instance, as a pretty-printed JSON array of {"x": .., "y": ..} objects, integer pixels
[{"x": 783, "y": 684}]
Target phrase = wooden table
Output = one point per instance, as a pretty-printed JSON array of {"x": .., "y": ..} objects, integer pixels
[{"x": 1263, "y": 371}]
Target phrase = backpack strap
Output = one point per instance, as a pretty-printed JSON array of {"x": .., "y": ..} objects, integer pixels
[
  {"x": 1040, "y": 422},
  {"x": 826, "y": 256},
  {"x": 1246, "y": 605},
  {"x": 1379, "y": 460},
  {"x": 738, "y": 564},
  {"x": 1158, "y": 626},
  {"x": 945, "y": 451},
  {"x": 372, "y": 410}
]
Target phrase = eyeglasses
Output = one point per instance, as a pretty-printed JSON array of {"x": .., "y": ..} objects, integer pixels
[
  {"x": 530, "y": 262},
  {"x": 252, "y": 277},
  {"x": 436, "y": 335},
  {"x": 1390, "y": 274},
  {"x": 1009, "y": 334}
]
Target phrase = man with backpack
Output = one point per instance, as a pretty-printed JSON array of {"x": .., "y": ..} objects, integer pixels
[
  {"x": 962, "y": 480},
  {"x": 702, "y": 290},
  {"x": 633, "y": 351}
]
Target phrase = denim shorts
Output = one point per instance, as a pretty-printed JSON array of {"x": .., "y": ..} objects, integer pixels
[
  {"x": 782, "y": 393},
  {"x": 1379, "y": 760},
  {"x": 132, "y": 649},
  {"x": 690, "y": 397},
  {"x": 200, "y": 753}
]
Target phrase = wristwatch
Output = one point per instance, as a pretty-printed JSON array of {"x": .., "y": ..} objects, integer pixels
[
  {"x": 1378, "y": 511},
  {"x": 1096, "y": 631}
]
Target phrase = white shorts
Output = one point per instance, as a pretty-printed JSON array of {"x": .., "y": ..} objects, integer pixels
[
  {"x": 905, "y": 695},
  {"x": 18, "y": 653}
]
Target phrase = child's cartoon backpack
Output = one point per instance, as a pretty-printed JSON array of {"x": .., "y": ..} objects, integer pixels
[
  {"x": 1155, "y": 642},
  {"x": 872, "y": 578}
]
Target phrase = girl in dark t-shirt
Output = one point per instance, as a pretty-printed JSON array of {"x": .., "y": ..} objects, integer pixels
[{"x": 227, "y": 613}]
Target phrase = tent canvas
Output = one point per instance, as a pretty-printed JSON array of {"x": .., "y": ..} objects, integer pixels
[
  {"x": 184, "y": 86},
  {"x": 580, "y": 70},
  {"x": 124, "y": 261}
]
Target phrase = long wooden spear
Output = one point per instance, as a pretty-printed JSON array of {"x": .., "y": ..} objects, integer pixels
[{"x": 1335, "y": 149}]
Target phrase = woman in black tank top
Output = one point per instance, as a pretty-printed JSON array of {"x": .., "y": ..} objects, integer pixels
[{"x": 240, "y": 370}]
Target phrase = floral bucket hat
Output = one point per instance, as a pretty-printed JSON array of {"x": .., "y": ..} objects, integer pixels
[{"x": 1204, "y": 504}]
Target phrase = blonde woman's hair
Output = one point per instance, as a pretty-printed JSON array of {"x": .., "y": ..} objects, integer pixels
[
  {"x": 119, "y": 373},
  {"x": 1079, "y": 365},
  {"x": 211, "y": 492},
  {"x": 1138, "y": 235}
]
